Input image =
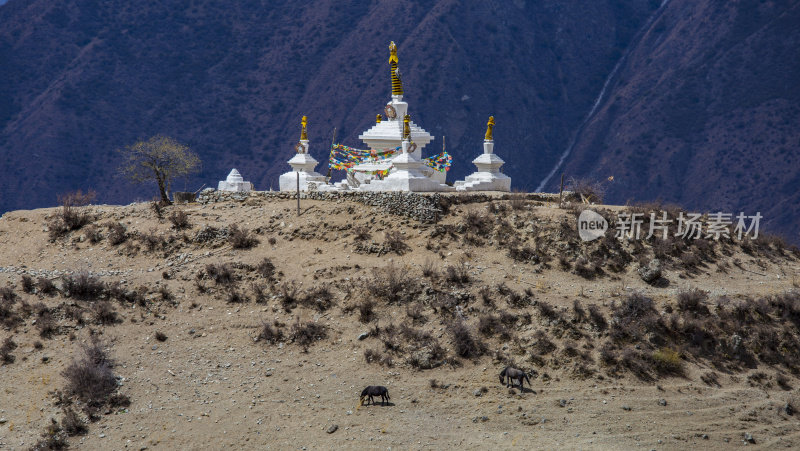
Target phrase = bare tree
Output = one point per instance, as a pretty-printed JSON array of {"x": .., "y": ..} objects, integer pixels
[{"x": 160, "y": 158}]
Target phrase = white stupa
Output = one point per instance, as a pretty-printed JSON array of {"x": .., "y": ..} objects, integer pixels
[
  {"x": 304, "y": 165},
  {"x": 235, "y": 182},
  {"x": 488, "y": 177},
  {"x": 388, "y": 133}
]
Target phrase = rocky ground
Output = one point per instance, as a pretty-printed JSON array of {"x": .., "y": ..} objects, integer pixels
[{"x": 703, "y": 355}]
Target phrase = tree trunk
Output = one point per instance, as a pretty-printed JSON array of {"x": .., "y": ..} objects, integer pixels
[{"x": 162, "y": 188}]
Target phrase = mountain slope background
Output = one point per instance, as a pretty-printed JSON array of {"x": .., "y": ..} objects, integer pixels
[
  {"x": 80, "y": 79},
  {"x": 83, "y": 78},
  {"x": 704, "y": 112}
]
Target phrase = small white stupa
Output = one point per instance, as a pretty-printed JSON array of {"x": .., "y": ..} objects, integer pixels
[
  {"x": 488, "y": 177},
  {"x": 235, "y": 182},
  {"x": 304, "y": 165},
  {"x": 407, "y": 172}
]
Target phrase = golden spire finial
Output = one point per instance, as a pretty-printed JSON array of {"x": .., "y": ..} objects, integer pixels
[
  {"x": 397, "y": 85},
  {"x": 378, "y": 118},
  {"x": 406, "y": 126},
  {"x": 303, "y": 123},
  {"x": 489, "y": 129}
]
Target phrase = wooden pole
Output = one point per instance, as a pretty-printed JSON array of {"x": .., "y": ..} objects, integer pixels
[{"x": 298, "y": 193}]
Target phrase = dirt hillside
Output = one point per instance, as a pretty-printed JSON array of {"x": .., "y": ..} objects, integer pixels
[{"x": 245, "y": 326}]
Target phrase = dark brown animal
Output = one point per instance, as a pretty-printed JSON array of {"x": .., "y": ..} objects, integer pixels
[
  {"x": 375, "y": 390},
  {"x": 510, "y": 374}
]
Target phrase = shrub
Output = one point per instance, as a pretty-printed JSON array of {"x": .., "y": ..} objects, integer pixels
[
  {"x": 542, "y": 343},
  {"x": 320, "y": 298},
  {"x": 547, "y": 310},
  {"x": 83, "y": 286},
  {"x": 161, "y": 336},
  {"x": 396, "y": 242},
  {"x": 5, "y": 350},
  {"x": 266, "y": 268},
  {"x": 692, "y": 301},
  {"x": 667, "y": 361},
  {"x": 366, "y": 311},
  {"x": 577, "y": 309},
  {"x": 235, "y": 297},
  {"x": 53, "y": 438},
  {"x": 7, "y": 295},
  {"x": 393, "y": 284},
  {"x": 152, "y": 241},
  {"x": 478, "y": 223},
  {"x": 45, "y": 286},
  {"x": 415, "y": 312},
  {"x": 361, "y": 233},
  {"x": 259, "y": 292},
  {"x": 116, "y": 233},
  {"x": 180, "y": 220},
  {"x": 305, "y": 334},
  {"x": 156, "y": 207},
  {"x": 241, "y": 238},
  {"x": 597, "y": 318},
  {"x": 490, "y": 325},
  {"x": 608, "y": 356},
  {"x": 464, "y": 343},
  {"x": 376, "y": 356},
  {"x": 27, "y": 283},
  {"x": 166, "y": 295},
  {"x": 93, "y": 234},
  {"x": 90, "y": 377},
  {"x": 72, "y": 215},
  {"x": 457, "y": 274},
  {"x": 221, "y": 274},
  {"x": 589, "y": 191},
  {"x": 104, "y": 313},
  {"x": 73, "y": 424},
  {"x": 288, "y": 295},
  {"x": 585, "y": 268},
  {"x": 429, "y": 270},
  {"x": 270, "y": 333},
  {"x": 522, "y": 254},
  {"x": 46, "y": 324}
]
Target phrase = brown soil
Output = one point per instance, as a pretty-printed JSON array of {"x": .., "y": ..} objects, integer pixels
[{"x": 211, "y": 385}]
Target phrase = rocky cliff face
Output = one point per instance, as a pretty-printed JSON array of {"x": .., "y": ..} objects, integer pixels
[
  {"x": 232, "y": 80},
  {"x": 704, "y": 111}
]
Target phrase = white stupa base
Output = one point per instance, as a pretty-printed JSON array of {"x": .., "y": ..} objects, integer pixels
[
  {"x": 235, "y": 183},
  {"x": 484, "y": 181},
  {"x": 288, "y": 181},
  {"x": 406, "y": 176},
  {"x": 236, "y": 187},
  {"x": 405, "y": 181}
]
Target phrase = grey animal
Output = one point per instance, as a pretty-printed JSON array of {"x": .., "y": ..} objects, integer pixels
[
  {"x": 375, "y": 390},
  {"x": 510, "y": 374}
]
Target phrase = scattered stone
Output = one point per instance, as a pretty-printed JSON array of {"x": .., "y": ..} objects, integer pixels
[
  {"x": 704, "y": 436},
  {"x": 332, "y": 428},
  {"x": 662, "y": 402},
  {"x": 748, "y": 437},
  {"x": 788, "y": 409},
  {"x": 651, "y": 272},
  {"x": 363, "y": 336},
  {"x": 477, "y": 392},
  {"x": 562, "y": 403},
  {"x": 627, "y": 408}
]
